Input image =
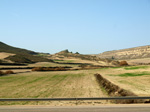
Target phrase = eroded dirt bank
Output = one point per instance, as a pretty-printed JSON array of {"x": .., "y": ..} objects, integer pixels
[{"x": 114, "y": 90}]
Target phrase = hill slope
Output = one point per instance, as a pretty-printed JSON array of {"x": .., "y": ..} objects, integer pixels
[
  {"x": 131, "y": 53},
  {"x": 65, "y": 55},
  {"x": 21, "y": 55},
  {"x": 9, "y": 49}
]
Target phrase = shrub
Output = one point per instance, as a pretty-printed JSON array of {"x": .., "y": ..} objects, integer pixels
[
  {"x": 5, "y": 73},
  {"x": 9, "y": 72},
  {"x": 60, "y": 69},
  {"x": 1, "y": 73},
  {"x": 123, "y": 63},
  {"x": 37, "y": 69}
]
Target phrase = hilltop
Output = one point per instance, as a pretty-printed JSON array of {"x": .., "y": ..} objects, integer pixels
[
  {"x": 19, "y": 55},
  {"x": 130, "y": 53}
]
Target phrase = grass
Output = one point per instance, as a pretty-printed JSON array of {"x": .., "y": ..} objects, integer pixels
[
  {"x": 130, "y": 67},
  {"x": 136, "y": 79},
  {"x": 48, "y": 85},
  {"x": 133, "y": 74},
  {"x": 136, "y": 67}
]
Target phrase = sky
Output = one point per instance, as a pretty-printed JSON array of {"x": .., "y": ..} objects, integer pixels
[{"x": 84, "y": 26}]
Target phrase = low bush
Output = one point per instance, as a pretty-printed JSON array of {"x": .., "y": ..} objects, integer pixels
[
  {"x": 6, "y": 73},
  {"x": 1, "y": 73},
  {"x": 9, "y": 72},
  {"x": 37, "y": 69},
  {"x": 60, "y": 69},
  {"x": 123, "y": 63}
]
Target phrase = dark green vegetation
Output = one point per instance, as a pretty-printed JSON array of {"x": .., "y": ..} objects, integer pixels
[
  {"x": 133, "y": 74},
  {"x": 22, "y": 55},
  {"x": 9, "y": 49},
  {"x": 27, "y": 58}
]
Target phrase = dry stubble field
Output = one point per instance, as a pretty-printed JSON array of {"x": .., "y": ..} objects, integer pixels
[
  {"x": 50, "y": 85},
  {"x": 81, "y": 83}
]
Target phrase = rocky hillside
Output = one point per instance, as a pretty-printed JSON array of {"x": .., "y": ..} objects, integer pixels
[{"x": 131, "y": 53}]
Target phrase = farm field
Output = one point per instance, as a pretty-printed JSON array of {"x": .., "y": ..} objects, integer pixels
[
  {"x": 132, "y": 78},
  {"x": 50, "y": 85},
  {"x": 80, "y": 83},
  {"x": 77, "y": 60},
  {"x": 139, "y": 61},
  {"x": 50, "y": 64}
]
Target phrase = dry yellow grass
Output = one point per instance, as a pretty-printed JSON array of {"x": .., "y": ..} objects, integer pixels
[
  {"x": 138, "y": 61},
  {"x": 49, "y": 64},
  {"x": 5, "y": 55},
  {"x": 77, "y": 60}
]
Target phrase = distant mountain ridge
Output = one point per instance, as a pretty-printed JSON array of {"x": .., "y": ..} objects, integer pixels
[
  {"x": 130, "y": 53},
  {"x": 21, "y": 55}
]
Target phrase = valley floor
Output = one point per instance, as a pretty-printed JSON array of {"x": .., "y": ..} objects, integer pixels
[{"x": 80, "y": 83}]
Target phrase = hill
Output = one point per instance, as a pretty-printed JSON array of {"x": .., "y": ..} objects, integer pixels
[
  {"x": 9, "y": 49},
  {"x": 82, "y": 58},
  {"x": 20, "y": 55},
  {"x": 131, "y": 53}
]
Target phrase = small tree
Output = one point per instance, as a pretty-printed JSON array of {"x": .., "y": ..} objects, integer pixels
[
  {"x": 112, "y": 58},
  {"x": 76, "y": 53}
]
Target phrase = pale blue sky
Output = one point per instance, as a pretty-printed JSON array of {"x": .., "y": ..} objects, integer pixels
[{"x": 86, "y": 26}]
